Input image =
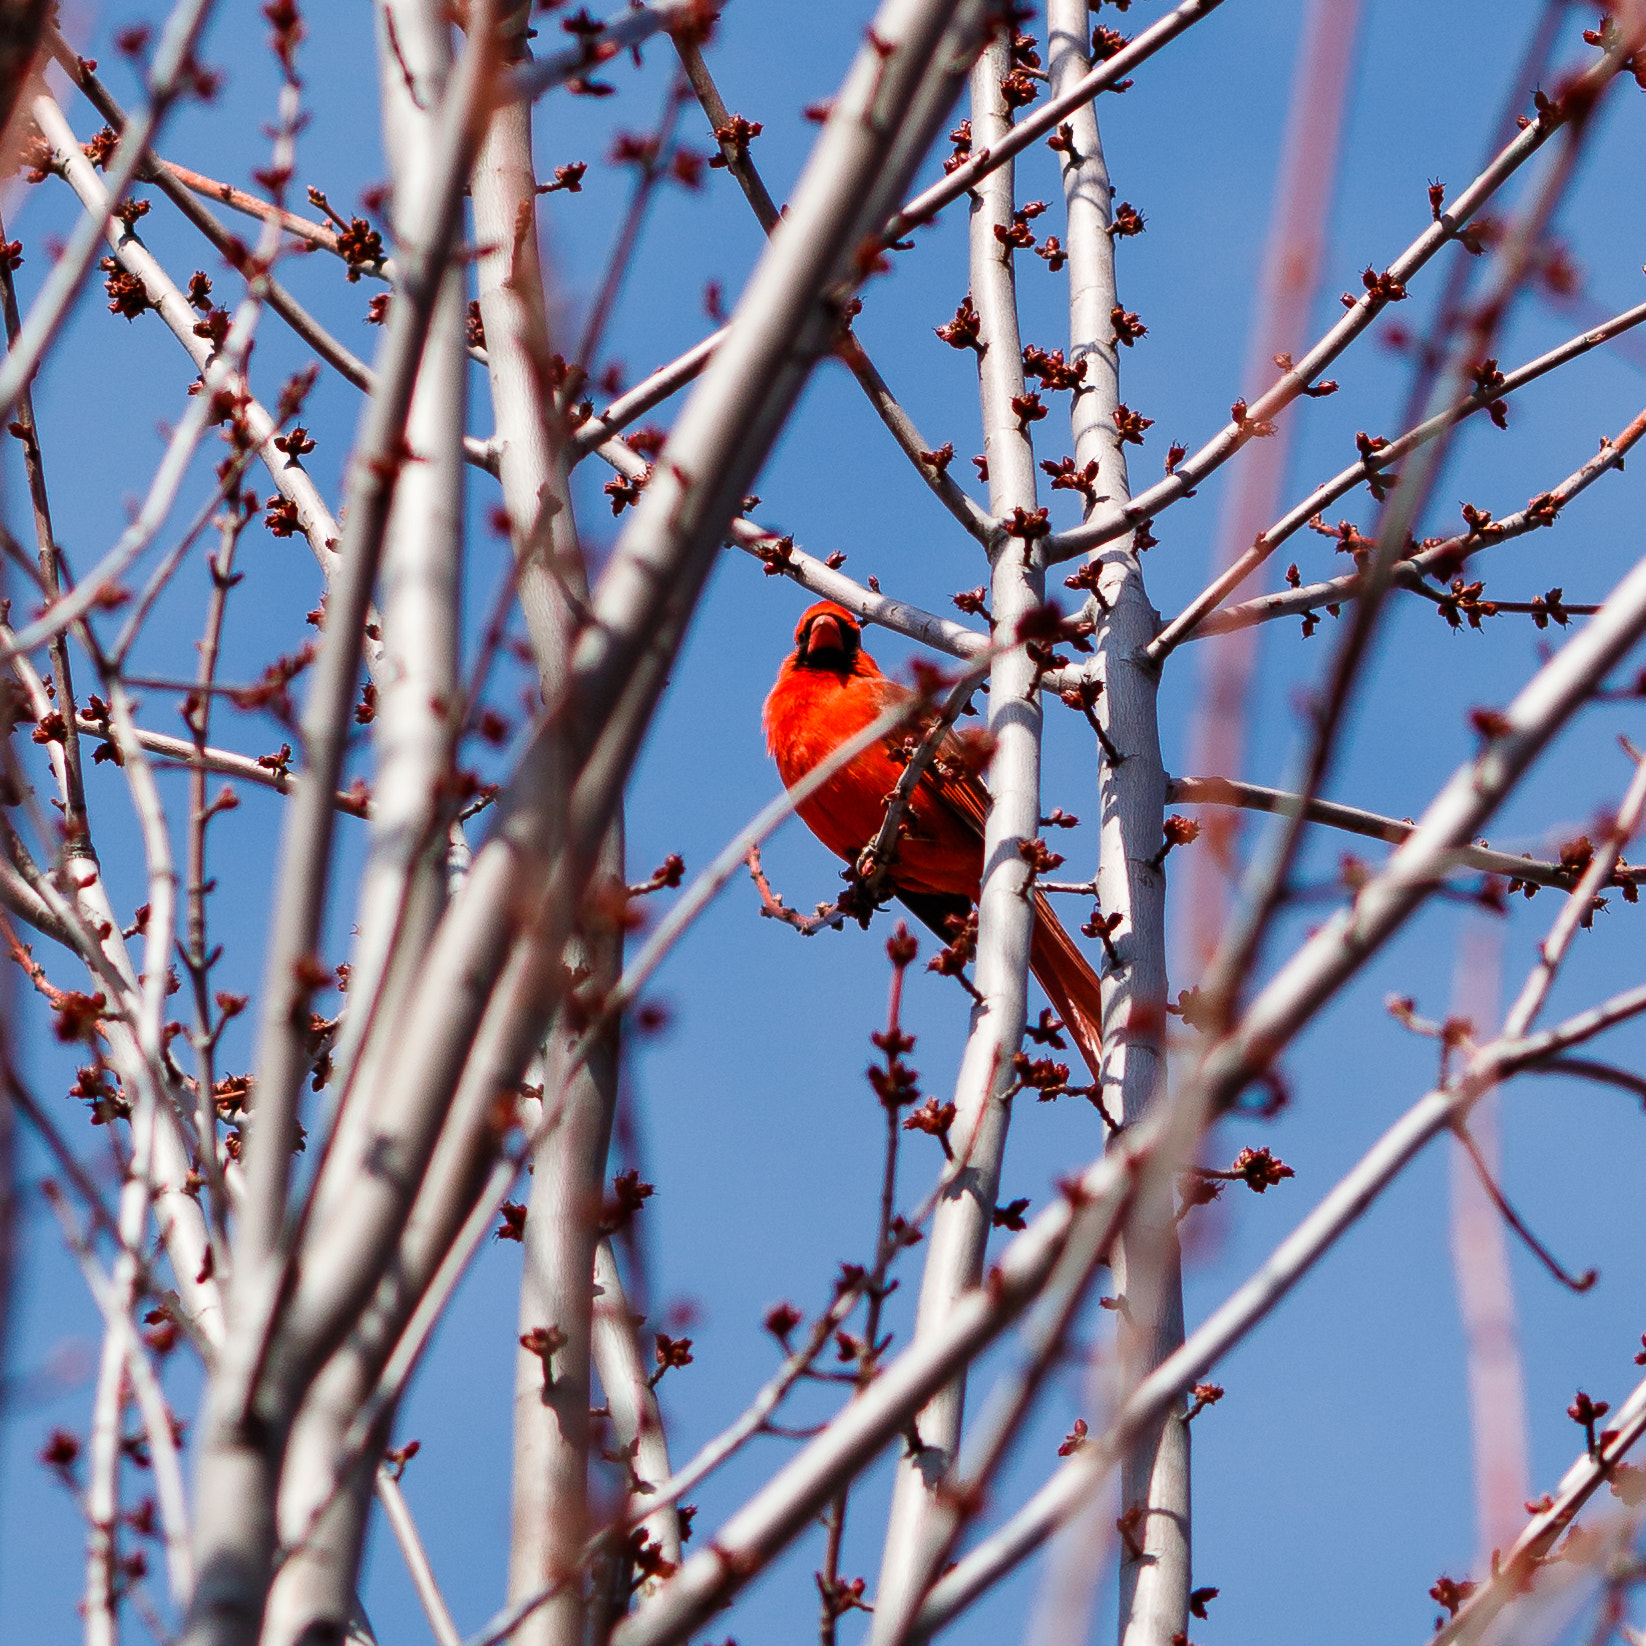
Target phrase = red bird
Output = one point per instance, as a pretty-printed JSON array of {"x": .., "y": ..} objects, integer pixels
[{"x": 829, "y": 689}]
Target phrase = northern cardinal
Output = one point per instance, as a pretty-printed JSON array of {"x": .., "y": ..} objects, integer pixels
[{"x": 827, "y": 690}]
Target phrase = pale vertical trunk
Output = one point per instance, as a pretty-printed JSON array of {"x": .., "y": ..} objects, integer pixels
[
  {"x": 1131, "y": 782},
  {"x": 632, "y": 1402},
  {"x": 404, "y": 889},
  {"x": 551, "y": 1399},
  {"x": 551, "y": 1402},
  {"x": 403, "y": 886},
  {"x": 961, "y": 1225}
]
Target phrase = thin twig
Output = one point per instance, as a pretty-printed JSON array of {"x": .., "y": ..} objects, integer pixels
[
  {"x": 164, "y": 1458},
  {"x": 1441, "y": 558},
  {"x": 623, "y": 29},
  {"x": 268, "y": 772},
  {"x": 76, "y": 826},
  {"x": 779, "y": 554},
  {"x": 179, "y": 185},
  {"x": 850, "y": 349},
  {"x": 650, "y": 174},
  {"x": 1585, "y": 1068},
  {"x": 1577, "y": 910},
  {"x": 218, "y": 368},
  {"x": 875, "y": 862},
  {"x": 401, "y": 1523},
  {"x": 1573, "y": 1283},
  {"x": 1183, "y": 626},
  {"x": 1223, "y": 791},
  {"x": 170, "y": 74},
  {"x": 1238, "y": 950},
  {"x": 1185, "y": 477},
  {"x": 710, "y": 882}
]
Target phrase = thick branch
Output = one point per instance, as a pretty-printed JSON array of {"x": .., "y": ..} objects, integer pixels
[
  {"x": 1073, "y": 1484},
  {"x": 916, "y": 1531},
  {"x": 1131, "y": 885}
]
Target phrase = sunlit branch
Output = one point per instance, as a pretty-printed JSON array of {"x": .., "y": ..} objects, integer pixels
[
  {"x": 1516, "y": 1568},
  {"x": 1439, "y": 559},
  {"x": 170, "y": 74},
  {"x": 1006, "y": 912},
  {"x": 306, "y": 850},
  {"x": 1221, "y": 791},
  {"x": 1183, "y": 626},
  {"x": 631, "y": 1399},
  {"x": 1026, "y": 131},
  {"x": 399, "y": 1516},
  {"x": 1065, "y": 1493},
  {"x": 645, "y": 395},
  {"x": 1131, "y": 883},
  {"x": 1186, "y": 476},
  {"x": 109, "y": 1398},
  {"x": 266, "y": 772}
]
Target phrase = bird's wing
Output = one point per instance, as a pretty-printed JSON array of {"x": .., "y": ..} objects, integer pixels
[{"x": 964, "y": 754}]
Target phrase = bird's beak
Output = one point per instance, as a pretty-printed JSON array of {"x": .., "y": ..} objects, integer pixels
[{"x": 824, "y": 635}]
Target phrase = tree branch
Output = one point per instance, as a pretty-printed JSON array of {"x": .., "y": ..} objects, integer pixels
[
  {"x": 915, "y": 1529},
  {"x": 170, "y": 75},
  {"x": 1439, "y": 558},
  {"x": 1110, "y": 73},
  {"x": 1223, "y": 791},
  {"x": 404, "y": 1526},
  {"x": 1188, "y": 475},
  {"x": 1131, "y": 885},
  {"x": 1076, "y": 1480},
  {"x": 1184, "y": 625}
]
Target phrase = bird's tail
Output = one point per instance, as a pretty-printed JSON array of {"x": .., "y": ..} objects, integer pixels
[{"x": 1070, "y": 983}]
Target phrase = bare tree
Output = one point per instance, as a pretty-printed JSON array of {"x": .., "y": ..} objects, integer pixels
[{"x": 296, "y": 1233}]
